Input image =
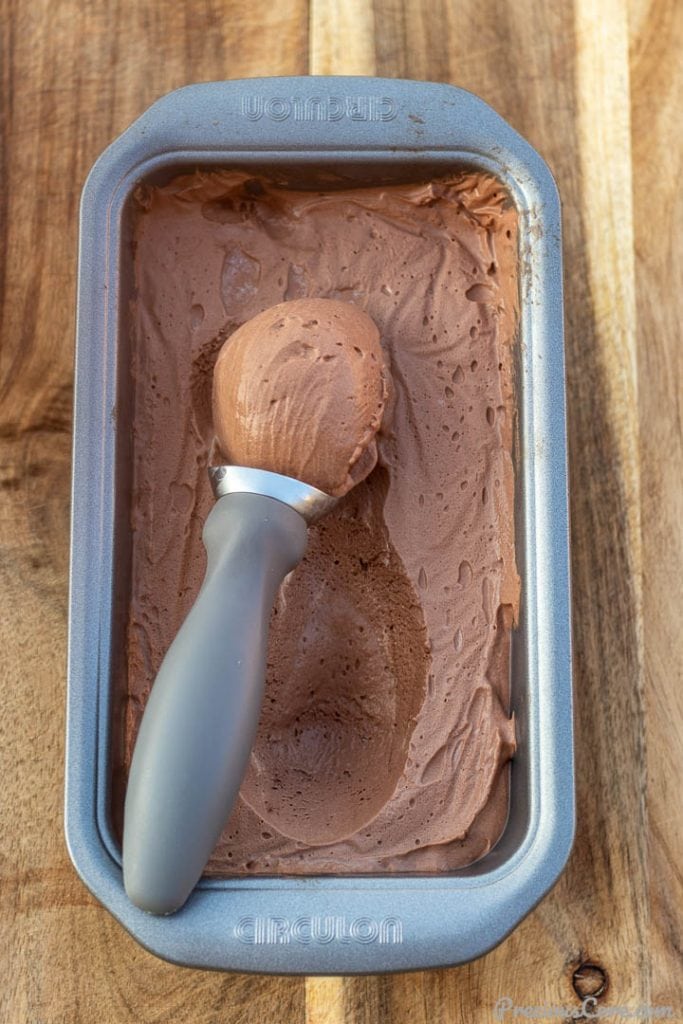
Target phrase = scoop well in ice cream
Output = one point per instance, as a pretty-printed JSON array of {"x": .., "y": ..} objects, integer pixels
[
  {"x": 385, "y": 733},
  {"x": 300, "y": 389}
]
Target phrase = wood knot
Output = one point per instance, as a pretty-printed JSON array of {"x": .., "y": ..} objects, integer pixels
[{"x": 590, "y": 979}]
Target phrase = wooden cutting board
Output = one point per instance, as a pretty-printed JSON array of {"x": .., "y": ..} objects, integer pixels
[{"x": 596, "y": 87}]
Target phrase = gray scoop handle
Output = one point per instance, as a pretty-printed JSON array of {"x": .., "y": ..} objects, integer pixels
[{"x": 200, "y": 720}]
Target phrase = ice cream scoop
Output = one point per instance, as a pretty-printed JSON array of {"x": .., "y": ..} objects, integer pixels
[{"x": 299, "y": 394}]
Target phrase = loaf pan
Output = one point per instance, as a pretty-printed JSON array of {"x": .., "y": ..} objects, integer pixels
[{"x": 303, "y": 131}]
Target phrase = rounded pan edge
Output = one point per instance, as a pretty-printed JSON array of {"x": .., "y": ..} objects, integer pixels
[{"x": 188, "y": 120}]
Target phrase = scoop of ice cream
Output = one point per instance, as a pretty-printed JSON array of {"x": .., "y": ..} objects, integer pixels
[{"x": 300, "y": 389}]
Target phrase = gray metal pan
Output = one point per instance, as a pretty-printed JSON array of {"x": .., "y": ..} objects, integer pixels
[{"x": 298, "y": 130}]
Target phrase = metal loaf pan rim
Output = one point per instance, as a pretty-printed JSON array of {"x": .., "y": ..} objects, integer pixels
[{"x": 267, "y": 924}]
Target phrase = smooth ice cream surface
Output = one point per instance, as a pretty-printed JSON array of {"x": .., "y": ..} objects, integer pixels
[
  {"x": 385, "y": 733},
  {"x": 300, "y": 389}
]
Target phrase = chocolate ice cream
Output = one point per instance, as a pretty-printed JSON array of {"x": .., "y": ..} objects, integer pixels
[
  {"x": 385, "y": 733},
  {"x": 300, "y": 389}
]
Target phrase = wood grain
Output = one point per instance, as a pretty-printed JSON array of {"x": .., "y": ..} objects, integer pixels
[
  {"x": 656, "y": 114},
  {"x": 342, "y": 35},
  {"x": 597, "y": 89}
]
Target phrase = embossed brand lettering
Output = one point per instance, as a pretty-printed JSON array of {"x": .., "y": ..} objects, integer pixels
[
  {"x": 319, "y": 108},
  {"x": 272, "y": 931}
]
